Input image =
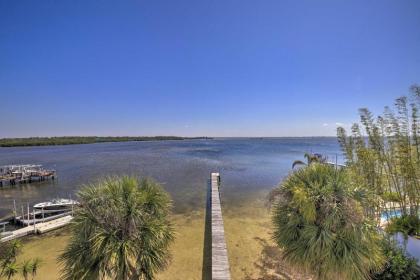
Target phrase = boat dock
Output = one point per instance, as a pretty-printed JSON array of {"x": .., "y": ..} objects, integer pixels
[
  {"x": 53, "y": 224},
  {"x": 219, "y": 255},
  {"x": 26, "y": 221},
  {"x": 37, "y": 228},
  {"x": 25, "y": 173},
  {"x": 43, "y": 217}
]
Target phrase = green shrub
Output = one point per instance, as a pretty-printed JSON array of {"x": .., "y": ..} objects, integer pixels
[
  {"x": 391, "y": 196},
  {"x": 397, "y": 265},
  {"x": 407, "y": 224}
]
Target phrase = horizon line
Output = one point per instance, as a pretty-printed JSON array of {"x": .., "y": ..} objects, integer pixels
[{"x": 153, "y": 136}]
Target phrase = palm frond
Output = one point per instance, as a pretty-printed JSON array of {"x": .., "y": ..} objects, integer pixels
[
  {"x": 122, "y": 231},
  {"x": 320, "y": 224}
]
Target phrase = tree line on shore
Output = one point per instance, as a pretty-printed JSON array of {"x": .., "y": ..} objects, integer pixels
[{"x": 69, "y": 140}]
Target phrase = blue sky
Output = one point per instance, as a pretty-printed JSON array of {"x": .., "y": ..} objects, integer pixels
[{"x": 215, "y": 68}]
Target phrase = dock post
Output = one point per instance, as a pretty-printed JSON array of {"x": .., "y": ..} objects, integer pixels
[
  {"x": 34, "y": 220},
  {"x": 14, "y": 208},
  {"x": 219, "y": 255},
  {"x": 23, "y": 213}
]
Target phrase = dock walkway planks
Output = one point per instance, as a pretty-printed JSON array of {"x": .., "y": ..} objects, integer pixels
[
  {"x": 18, "y": 233},
  {"x": 54, "y": 224},
  {"x": 39, "y": 228},
  {"x": 219, "y": 255}
]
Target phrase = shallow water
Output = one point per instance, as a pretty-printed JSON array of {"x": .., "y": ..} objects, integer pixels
[
  {"x": 410, "y": 244},
  {"x": 248, "y": 167}
]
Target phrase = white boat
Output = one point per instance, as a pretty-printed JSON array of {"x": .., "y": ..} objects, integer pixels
[{"x": 56, "y": 204}]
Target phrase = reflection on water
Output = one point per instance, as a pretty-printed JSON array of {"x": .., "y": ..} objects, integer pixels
[
  {"x": 410, "y": 244},
  {"x": 247, "y": 166}
]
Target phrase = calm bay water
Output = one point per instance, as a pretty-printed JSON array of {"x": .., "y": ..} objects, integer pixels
[{"x": 249, "y": 167}]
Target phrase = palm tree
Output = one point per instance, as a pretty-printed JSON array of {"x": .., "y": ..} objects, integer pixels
[
  {"x": 121, "y": 231},
  {"x": 10, "y": 270},
  {"x": 320, "y": 225},
  {"x": 8, "y": 265},
  {"x": 35, "y": 264},
  {"x": 26, "y": 268},
  {"x": 310, "y": 158},
  {"x": 10, "y": 250},
  {"x": 8, "y": 254}
]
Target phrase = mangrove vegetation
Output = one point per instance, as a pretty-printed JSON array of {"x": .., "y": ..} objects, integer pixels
[{"x": 69, "y": 140}]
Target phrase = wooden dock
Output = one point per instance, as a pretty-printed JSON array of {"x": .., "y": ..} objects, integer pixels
[
  {"x": 38, "y": 228},
  {"x": 30, "y": 221},
  {"x": 11, "y": 175},
  {"x": 54, "y": 224},
  {"x": 18, "y": 233},
  {"x": 219, "y": 255}
]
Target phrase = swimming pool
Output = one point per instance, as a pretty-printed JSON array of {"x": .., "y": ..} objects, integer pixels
[
  {"x": 386, "y": 215},
  {"x": 410, "y": 244}
]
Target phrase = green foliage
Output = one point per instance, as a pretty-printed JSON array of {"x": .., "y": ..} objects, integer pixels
[
  {"x": 390, "y": 196},
  {"x": 397, "y": 265},
  {"x": 320, "y": 225},
  {"x": 69, "y": 140},
  {"x": 35, "y": 264},
  {"x": 385, "y": 161},
  {"x": 121, "y": 231},
  {"x": 407, "y": 224},
  {"x": 10, "y": 270},
  {"x": 310, "y": 158},
  {"x": 8, "y": 265},
  {"x": 8, "y": 254},
  {"x": 26, "y": 269}
]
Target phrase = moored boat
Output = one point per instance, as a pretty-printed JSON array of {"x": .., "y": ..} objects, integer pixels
[{"x": 56, "y": 204}]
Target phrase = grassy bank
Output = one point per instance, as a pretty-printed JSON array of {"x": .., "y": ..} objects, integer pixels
[{"x": 70, "y": 140}]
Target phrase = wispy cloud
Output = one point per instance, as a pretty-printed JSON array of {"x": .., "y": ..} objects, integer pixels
[
  {"x": 325, "y": 124},
  {"x": 339, "y": 124}
]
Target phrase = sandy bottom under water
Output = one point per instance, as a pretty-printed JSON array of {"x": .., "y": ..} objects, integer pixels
[{"x": 252, "y": 255}]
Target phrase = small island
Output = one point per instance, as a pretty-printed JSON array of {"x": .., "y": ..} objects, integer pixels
[{"x": 71, "y": 140}]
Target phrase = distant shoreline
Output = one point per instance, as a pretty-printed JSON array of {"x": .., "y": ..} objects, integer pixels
[{"x": 74, "y": 140}]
